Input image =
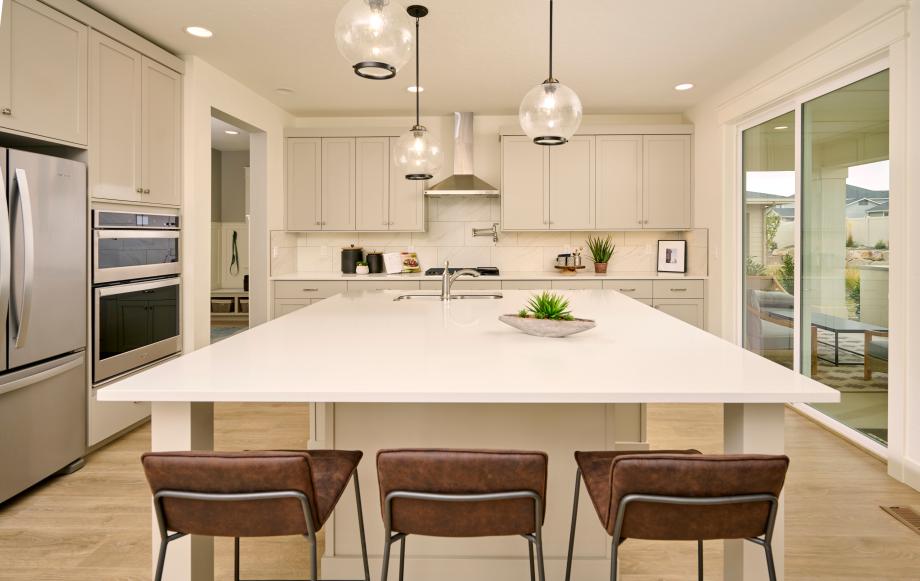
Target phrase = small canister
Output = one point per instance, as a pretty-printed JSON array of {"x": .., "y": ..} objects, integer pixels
[
  {"x": 351, "y": 256},
  {"x": 375, "y": 263}
]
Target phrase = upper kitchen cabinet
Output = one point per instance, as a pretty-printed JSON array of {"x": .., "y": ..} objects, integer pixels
[
  {"x": 350, "y": 184},
  {"x": 619, "y": 182},
  {"x": 525, "y": 187},
  {"x": 571, "y": 184},
  {"x": 667, "y": 182},
  {"x": 43, "y": 64},
  {"x": 135, "y": 134}
]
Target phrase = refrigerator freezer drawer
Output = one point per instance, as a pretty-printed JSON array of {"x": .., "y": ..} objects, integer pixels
[{"x": 42, "y": 422}]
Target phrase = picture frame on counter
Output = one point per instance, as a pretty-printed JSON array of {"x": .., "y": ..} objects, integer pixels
[{"x": 672, "y": 256}]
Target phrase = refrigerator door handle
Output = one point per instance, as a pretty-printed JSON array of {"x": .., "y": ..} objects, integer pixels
[
  {"x": 60, "y": 368},
  {"x": 28, "y": 279},
  {"x": 5, "y": 254}
]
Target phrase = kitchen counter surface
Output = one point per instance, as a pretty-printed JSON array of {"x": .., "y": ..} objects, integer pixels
[
  {"x": 366, "y": 347},
  {"x": 590, "y": 275}
]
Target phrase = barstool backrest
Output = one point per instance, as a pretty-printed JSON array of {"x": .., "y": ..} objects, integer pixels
[
  {"x": 694, "y": 476},
  {"x": 229, "y": 473},
  {"x": 462, "y": 472}
]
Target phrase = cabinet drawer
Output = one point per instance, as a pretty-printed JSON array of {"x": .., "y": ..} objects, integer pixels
[
  {"x": 637, "y": 289},
  {"x": 578, "y": 284},
  {"x": 373, "y": 285},
  {"x": 678, "y": 289},
  {"x": 526, "y": 284},
  {"x": 463, "y": 284},
  {"x": 308, "y": 289}
]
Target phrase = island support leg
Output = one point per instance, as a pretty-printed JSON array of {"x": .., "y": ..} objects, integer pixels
[
  {"x": 177, "y": 426},
  {"x": 755, "y": 429}
]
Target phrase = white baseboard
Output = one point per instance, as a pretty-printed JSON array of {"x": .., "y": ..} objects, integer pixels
[{"x": 861, "y": 441}]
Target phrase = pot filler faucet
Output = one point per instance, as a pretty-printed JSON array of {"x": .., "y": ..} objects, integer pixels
[{"x": 447, "y": 279}]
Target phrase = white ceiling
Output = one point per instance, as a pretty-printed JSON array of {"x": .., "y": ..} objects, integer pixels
[
  {"x": 620, "y": 56},
  {"x": 222, "y": 141}
]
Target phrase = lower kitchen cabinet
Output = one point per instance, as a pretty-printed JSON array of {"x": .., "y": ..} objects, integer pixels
[
  {"x": 285, "y": 306},
  {"x": 463, "y": 284},
  {"x": 526, "y": 284},
  {"x": 578, "y": 284},
  {"x": 376, "y": 285},
  {"x": 687, "y": 310}
]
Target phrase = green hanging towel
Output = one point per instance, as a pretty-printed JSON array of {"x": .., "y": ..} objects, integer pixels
[{"x": 234, "y": 257}]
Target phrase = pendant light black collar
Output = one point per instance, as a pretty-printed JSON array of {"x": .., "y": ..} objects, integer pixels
[{"x": 389, "y": 70}]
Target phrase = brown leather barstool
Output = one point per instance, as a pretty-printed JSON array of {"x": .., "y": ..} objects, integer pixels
[
  {"x": 249, "y": 494},
  {"x": 681, "y": 496},
  {"x": 462, "y": 493}
]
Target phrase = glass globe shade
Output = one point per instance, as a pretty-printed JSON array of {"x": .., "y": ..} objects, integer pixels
[
  {"x": 417, "y": 154},
  {"x": 375, "y": 37},
  {"x": 550, "y": 113}
]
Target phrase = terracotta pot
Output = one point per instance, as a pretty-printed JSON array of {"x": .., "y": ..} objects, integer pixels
[{"x": 600, "y": 267}]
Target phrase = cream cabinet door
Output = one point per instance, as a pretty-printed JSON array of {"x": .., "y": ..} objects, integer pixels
[
  {"x": 115, "y": 129},
  {"x": 687, "y": 310},
  {"x": 6, "y": 39},
  {"x": 666, "y": 182},
  {"x": 304, "y": 183},
  {"x": 372, "y": 183},
  {"x": 161, "y": 120},
  {"x": 407, "y": 199},
  {"x": 285, "y": 306},
  {"x": 571, "y": 184},
  {"x": 618, "y": 167},
  {"x": 338, "y": 179},
  {"x": 47, "y": 72},
  {"x": 525, "y": 188}
]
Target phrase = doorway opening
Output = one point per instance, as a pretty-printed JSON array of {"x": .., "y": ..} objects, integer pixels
[{"x": 230, "y": 203}]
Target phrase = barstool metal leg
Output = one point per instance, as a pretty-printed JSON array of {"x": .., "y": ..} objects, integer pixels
[
  {"x": 533, "y": 572},
  {"x": 699, "y": 560},
  {"x": 614, "y": 549},
  {"x": 236, "y": 559},
  {"x": 402, "y": 557},
  {"x": 385, "y": 569},
  {"x": 314, "y": 566},
  {"x": 367, "y": 569},
  {"x": 541, "y": 574},
  {"x": 161, "y": 559},
  {"x": 568, "y": 561},
  {"x": 771, "y": 567}
]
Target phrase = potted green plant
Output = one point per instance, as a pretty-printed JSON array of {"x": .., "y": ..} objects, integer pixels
[
  {"x": 547, "y": 315},
  {"x": 601, "y": 250},
  {"x": 361, "y": 267}
]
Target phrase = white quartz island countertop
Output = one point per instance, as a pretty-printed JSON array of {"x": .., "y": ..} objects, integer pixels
[
  {"x": 585, "y": 274},
  {"x": 366, "y": 347}
]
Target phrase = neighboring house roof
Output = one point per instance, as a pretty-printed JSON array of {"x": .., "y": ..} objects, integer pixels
[
  {"x": 785, "y": 212},
  {"x": 855, "y": 193},
  {"x": 766, "y": 199},
  {"x": 880, "y": 209}
]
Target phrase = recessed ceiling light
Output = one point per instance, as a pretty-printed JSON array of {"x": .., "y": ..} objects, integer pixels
[
  {"x": 231, "y": 132},
  {"x": 414, "y": 89},
  {"x": 199, "y": 31},
  {"x": 683, "y": 87},
  {"x": 781, "y": 127},
  {"x": 284, "y": 91}
]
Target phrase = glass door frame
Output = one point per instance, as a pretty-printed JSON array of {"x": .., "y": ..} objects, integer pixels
[{"x": 796, "y": 104}]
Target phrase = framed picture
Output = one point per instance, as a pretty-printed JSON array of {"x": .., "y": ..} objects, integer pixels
[{"x": 672, "y": 256}]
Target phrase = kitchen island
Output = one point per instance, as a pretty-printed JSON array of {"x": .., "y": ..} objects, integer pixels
[{"x": 384, "y": 373}]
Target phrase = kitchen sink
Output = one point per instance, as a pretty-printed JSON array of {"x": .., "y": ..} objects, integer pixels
[{"x": 413, "y": 296}]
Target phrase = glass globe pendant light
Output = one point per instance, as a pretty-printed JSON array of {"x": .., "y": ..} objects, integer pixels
[
  {"x": 417, "y": 154},
  {"x": 375, "y": 36},
  {"x": 550, "y": 112}
]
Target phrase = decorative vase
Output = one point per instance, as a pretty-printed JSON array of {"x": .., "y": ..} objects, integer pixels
[
  {"x": 547, "y": 327},
  {"x": 362, "y": 269},
  {"x": 600, "y": 267}
]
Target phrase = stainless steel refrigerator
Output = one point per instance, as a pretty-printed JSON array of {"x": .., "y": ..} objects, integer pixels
[{"x": 43, "y": 250}]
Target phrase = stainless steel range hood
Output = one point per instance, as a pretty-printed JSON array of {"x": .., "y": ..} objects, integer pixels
[{"x": 463, "y": 182}]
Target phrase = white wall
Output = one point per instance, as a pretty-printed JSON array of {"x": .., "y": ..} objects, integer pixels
[
  {"x": 205, "y": 88},
  {"x": 874, "y": 31},
  {"x": 233, "y": 185}
]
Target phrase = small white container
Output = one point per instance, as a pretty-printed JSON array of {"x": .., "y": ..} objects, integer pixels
[{"x": 361, "y": 269}]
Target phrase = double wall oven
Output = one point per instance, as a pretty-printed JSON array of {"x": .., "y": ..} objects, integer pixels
[{"x": 136, "y": 291}]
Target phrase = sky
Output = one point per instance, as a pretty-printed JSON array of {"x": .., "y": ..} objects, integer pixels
[{"x": 872, "y": 176}]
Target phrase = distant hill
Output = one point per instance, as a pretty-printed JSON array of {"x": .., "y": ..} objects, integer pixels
[{"x": 853, "y": 193}]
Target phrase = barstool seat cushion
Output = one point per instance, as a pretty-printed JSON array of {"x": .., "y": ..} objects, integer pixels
[
  {"x": 595, "y": 470},
  {"x": 321, "y": 475},
  {"x": 462, "y": 472}
]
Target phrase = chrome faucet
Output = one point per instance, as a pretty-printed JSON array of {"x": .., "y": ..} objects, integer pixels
[{"x": 447, "y": 279}]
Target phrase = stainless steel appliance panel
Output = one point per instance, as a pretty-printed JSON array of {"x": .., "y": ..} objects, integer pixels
[
  {"x": 135, "y": 324},
  {"x": 5, "y": 257},
  {"x": 47, "y": 203},
  {"x": 133, "y": 220},
  {"x": 132, "y": 254},
  {"x": 42, "y": 421}
]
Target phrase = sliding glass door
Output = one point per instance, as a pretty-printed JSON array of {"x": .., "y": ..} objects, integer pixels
[
  {"x": 833, "y": 288},
  {"x": 845, "y": 213}
]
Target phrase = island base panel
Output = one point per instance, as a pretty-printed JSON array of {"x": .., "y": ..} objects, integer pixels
[
  {"x": 556, "y": 429},
  {"x": 183, "y": 426},
  {"x": 755, "y": 429}
]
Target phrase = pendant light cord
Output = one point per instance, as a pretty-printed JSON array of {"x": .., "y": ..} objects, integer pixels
[
  {"x": 418, "y": 86},
  {"x": 551, "y": 40}
]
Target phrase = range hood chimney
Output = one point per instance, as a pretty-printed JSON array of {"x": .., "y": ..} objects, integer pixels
[{"x": 463, "y": 182}]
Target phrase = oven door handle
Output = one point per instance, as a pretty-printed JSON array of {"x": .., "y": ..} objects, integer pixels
[
  {"x": 24, "y": 316},
  {"x": 5, "y": 253},
  {"x": 120, "y": 289}
]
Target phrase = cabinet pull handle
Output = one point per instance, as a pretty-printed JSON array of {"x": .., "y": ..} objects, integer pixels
[
  {"x": 6, "y": 111},
  {"x": 627, "y": 290},
  {"x": 310, "y": 290},
  {"x": 140, "y": 190},
  {"x": 678, "y": 290},
  {"x": 146, "y": 190}
]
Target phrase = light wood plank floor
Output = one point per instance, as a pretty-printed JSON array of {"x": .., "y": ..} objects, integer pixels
[{"x": 95, "y": 525}]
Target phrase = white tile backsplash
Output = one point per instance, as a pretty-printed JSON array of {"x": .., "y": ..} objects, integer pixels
[{"x": 449, "y": 236}]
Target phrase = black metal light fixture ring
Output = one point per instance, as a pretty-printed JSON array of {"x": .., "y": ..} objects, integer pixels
[
  {"x": 359, "y": 68},
  {"x": 419, "y": 176},
  {"x": 550, "y": 140}
]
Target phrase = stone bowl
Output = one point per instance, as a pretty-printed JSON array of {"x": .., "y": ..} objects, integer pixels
[{"x": 547, "y": 327}]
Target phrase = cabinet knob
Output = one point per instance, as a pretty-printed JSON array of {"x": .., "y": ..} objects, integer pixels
[
  {"x": 140, "y": 190},
  {"x": 146, "y": 190},
  {"x": 318, "y": 223},
  {"x": 6, "y": 111}
]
